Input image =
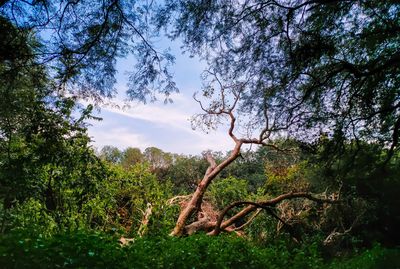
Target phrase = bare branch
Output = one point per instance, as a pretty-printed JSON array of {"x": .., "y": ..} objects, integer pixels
[
  {"x": 211, "y": 161},
  {"x": 265, "y": 205},
  {"x": 145, "y": 220},
  {"x": 178, "y": 199},
  {"x": 200, "y": 103},
  {"x": 250, "y": 220}
]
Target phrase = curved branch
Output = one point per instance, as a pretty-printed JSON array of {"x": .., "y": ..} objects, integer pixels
[
  {"x": 212, "y": 164},
  {"x": 250, "y": 220},
  {"x": 265, "y": 205},
  {"x": 195, "y": 202}
]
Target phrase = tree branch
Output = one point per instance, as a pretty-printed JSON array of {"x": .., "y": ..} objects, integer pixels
[{"x": 265, "y": 205}]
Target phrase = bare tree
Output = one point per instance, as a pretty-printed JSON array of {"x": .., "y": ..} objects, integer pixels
[{"x": 225, "y": 105}]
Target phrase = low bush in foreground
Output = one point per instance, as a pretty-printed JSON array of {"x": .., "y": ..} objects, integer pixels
[{"x": 95, "y": 250}]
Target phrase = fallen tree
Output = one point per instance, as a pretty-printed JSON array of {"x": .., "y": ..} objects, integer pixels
[{"x": 207, "y": 219}]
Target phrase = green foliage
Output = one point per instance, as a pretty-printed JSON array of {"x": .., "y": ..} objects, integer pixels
[
  {"x": 374, "y": 258},
  {"x": 131, "y": 156},
  {"x": 308, "y": 66},
  {"x": 50, "y": 178},
  {"x": 45, "y": 157},
  {"x": 110, "y": 154},
  {"x": 368, "y": 183},
  {"x": 32, "y": 216},
  {"x": 228, "y": 190},
  {"x": 185, "y": 173},
  {"x": 132, "y": 191},
  {"x": 262, "y": 230},
  {"x": 249, "y": 166},
  {"x": 72, "y": 250},
  {"x": 98, "y": 250},
  {"x": 158, "y": 160},
  {"x": 119, "y": 202},
  {"x": 52, "y": 164},
  {"x": 282, "y": 179}
]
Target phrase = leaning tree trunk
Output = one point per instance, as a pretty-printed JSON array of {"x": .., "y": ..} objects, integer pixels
[
  {"x": 223, "y": 108},
  {"x": 194, "y": 205},
  {"x": 204, "y": 221}
]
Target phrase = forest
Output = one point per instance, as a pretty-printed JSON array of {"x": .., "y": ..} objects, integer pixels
[{"x": 309, "y": 94}]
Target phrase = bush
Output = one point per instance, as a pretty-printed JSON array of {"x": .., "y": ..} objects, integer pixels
[
  {"x": 33, "y": 216},
  {"x": 99, "y": 250},
  {"x": 374, "y": 258},
  {"x": 71, "y": 250},
  {"x": 222, "y": 192}
]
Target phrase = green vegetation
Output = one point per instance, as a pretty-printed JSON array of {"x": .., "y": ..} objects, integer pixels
[
  {"x": 87, "y": 236},
  {"x": 96, "y": 250},
  {"x": 318, "y": 79}
]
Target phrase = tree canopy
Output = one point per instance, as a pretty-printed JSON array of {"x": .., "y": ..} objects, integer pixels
[
  {"x": 311, "y": 67},
  {"x": 299, "y": 77},
  {"x": 82, "y": 40}
]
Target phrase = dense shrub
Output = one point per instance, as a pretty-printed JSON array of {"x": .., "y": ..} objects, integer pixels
[
  {"x": 99, "y": 250},
  {"x": 376, "y": 257},
  {"x": 228, "y": 190}
]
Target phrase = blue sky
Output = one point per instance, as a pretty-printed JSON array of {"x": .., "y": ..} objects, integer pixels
[{"x": 156, "y": 124}]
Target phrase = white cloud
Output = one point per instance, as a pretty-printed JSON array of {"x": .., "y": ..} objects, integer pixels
[
  {"x": 118, "y": 137},
  {"x": 176, "y": 115},
  {"x": 156, "y": 115},
  {"x": 163, "y": 126},
  {"x": 155, "y": 124},
  {"x": 218, "y": 141}
]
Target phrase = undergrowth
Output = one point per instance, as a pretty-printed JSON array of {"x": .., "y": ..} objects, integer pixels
[{"x": 100, "y": 250}]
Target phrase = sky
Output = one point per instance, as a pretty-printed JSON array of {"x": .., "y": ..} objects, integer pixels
[{"x": 167, "y": 127}]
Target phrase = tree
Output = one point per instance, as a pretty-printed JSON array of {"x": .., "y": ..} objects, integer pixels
[
  {"x": 45, "y": 159},
  {"x": 23, "y": 91},
  {"x": 135, "y": 199},
  {"x": 131, "y": 156},
  {"x": 82, "y": 41},
  {"x": 159, "y": 160},
  {"x": 316, "y": 69},
  {"x": 222, "y": 105},
  {"x": 111, "y": 154},
  {"x": 249, "y": 166},
  {"x": 306, "y": 69},
  {"x": 185, "y": 172},
  {"x": 319, "y": 66}
]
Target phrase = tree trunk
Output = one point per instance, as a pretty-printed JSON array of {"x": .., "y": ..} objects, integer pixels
[{"x": 195, "y": 202}]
